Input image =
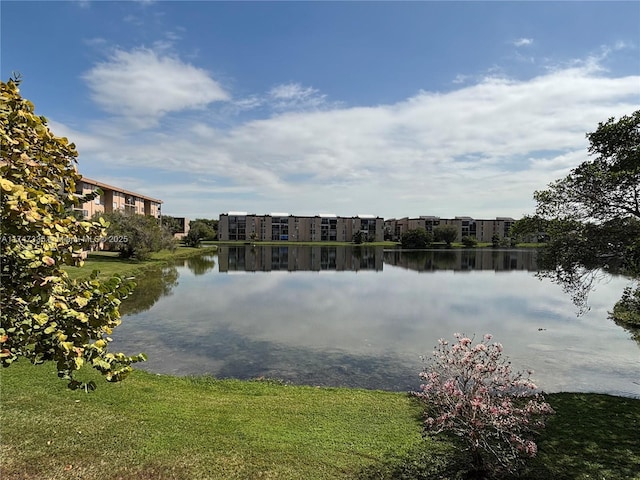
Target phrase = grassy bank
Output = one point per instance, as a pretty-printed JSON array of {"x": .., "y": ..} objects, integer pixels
[
  {"x": 109, "y": 263},
  {"x": 162, "y": 427}
]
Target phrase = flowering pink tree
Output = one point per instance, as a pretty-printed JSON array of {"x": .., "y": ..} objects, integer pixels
[{"x": 471, "y": 391}]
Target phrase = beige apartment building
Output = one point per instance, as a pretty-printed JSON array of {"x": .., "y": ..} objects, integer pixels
[
  {"x": 482, "y": 230},
  {"x": 114, "y": 198},
  {"x": 276, "y": 226}
]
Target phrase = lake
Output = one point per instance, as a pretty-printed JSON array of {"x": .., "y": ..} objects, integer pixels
[{"x": 363, "y": 317}]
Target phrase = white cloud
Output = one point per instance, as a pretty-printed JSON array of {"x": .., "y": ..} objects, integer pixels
[
  {"x": 460, "y": 79},
  {"x": 479, "y": 150},
  {"x": 142, "y": 86},
  {"x": 295, "y": 96},
  {"x": 523, "y": 42}
]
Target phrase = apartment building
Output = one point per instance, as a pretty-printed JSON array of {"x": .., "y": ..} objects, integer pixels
[
  {"x": 114, "y": 198},
  {"x": 324, "y": 227},
  {"x": 482, "y": 230}
]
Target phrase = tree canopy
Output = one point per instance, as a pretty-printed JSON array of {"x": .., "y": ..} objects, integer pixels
[
  {"x": 135, "y": 235},
  {"x": 211, "y": 223},
  {"x": 602, "y": 188},
  {"x": 45, "y": 315},
  {"x": 174, "y": 225},
  {"x": 445, "y": 233},
  {"x": 416, "y": 239},
  {"x": 198, "y": 231},
  {"x": 592, "y": 216}
]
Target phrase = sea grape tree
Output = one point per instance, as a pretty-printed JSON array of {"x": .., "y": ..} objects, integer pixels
[
  {"x": 45, "y": 315},
  {"x": 471, "y": 391}
]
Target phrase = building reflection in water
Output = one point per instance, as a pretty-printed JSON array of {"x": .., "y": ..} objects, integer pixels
[{"x": 267, "y": 258}]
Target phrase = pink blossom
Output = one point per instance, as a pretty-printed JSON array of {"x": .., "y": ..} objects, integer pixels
[
  {"x": 469, "y": 391},
  {"x": 530, "y": 448}
]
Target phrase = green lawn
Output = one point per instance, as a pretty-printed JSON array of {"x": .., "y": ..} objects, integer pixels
[
  {"x": 109, "y": 263},
  {"x": 163, "y": 427}
]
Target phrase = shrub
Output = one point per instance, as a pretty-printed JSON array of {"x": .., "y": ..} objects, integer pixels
[
  {"x": 445, "y": 233},
  {"x": 626, "y": 312},
  {"x": 416, "y": 239},
  {"x": 627, "y": 309},
  {"x": 198, "y": 231},
  {"x": 472, "y": 392},
  {"x": 135, "y": 235},
  {"x": 469, "y": 242},
  {"x": 359, "y": 237}
]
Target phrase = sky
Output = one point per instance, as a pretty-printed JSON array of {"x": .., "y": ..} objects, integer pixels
[{"x": 387, "y": 108}]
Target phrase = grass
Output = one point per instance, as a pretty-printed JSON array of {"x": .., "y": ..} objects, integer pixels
[
  {"x": 110, "y": 264},
  {"x": 163, "y": 427}
]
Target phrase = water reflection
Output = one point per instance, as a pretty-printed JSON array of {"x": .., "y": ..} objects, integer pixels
[
  {"x": 463, "y": 260},
  {"x": 155, "y": 283},
  {"x": 370, "y": 330},
  {"x": 150, "y": 287},
  {"x": 265, "y": 258},
  {"x": 200, "y": 264}
]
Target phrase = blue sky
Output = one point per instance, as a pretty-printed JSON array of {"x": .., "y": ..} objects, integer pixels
[{"x": 387, "y": 108}]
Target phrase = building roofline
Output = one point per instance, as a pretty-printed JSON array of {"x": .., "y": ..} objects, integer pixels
[{"x": 117, "y": 189}]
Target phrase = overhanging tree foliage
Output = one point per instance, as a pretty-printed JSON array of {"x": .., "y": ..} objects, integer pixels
[
  {"x": 605, "y": 187},
  {"x": 592, "y": 216},
  {"x": 45, "y": 315}
]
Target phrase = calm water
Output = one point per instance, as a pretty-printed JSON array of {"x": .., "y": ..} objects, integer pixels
[{"x": 364, "y": 317}]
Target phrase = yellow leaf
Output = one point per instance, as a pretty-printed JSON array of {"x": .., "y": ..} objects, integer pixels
[
  {"x": 81, "y": 301},
  {"x": 6, "y": 185}
]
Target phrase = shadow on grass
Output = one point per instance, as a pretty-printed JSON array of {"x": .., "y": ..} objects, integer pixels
[
  {"x": 591, "y": 437},
  {"x": 431, "y": 461}
]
